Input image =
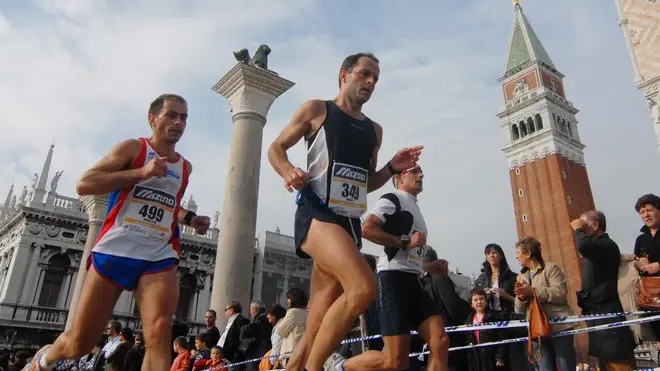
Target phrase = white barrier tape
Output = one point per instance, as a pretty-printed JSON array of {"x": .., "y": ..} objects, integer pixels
[
  {"x": 606, "y": 326},
  {"x": 517, "y": 324},
  {"x": 507, "y": 324}
]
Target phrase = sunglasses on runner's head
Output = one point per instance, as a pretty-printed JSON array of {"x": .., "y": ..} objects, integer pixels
[{"x": 412, "y": 169}]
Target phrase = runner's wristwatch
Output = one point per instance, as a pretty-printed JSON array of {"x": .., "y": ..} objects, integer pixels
[{"x": 405, "y": 241}]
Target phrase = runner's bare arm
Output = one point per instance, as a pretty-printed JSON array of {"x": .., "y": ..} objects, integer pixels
[
  {"x": 372, "y": 230},
  {"x": 180, "y": 216},
  {"x": 300, "y": 126},
  {"x": 377, "y": 178},
  {"x": 111, "y": 173}
]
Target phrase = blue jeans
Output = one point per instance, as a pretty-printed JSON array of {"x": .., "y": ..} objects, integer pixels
[{"x": 558, "y": 354}]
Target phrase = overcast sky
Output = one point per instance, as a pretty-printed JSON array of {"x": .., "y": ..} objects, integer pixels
[{"x": 81, "y": 73}]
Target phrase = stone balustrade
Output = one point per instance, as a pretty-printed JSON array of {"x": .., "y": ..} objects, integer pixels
[{"x": 68, "y": 203}]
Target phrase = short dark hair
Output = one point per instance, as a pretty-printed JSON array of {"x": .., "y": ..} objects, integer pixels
[
  {"x": 352, "y": 60},
  {"x": 277, "y": 311},
  {"x": 478, "y": 291},
  {"x": 647, "y": 199},
  {"x": 235, "y": 306},
  {"x": 599, "y": 217},
  {"x": 212, "y": 311},
  {"x": 182, "y": 342},
  {"x": 298, "y": 298},
  {"x": 115, "y": 325},
  {"x": 201, "y": 338},
  {"x": 157, "y": 105}
]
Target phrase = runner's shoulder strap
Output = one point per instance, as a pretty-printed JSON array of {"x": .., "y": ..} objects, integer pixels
[{"x": 393, "y": 198}]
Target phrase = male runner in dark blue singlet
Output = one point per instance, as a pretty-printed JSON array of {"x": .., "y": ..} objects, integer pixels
[{"x": 342, "y": 154}]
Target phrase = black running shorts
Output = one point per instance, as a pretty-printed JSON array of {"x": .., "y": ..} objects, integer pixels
[
  {"x": 310, "y": 207},
  {"x": 403, "y": 304}
]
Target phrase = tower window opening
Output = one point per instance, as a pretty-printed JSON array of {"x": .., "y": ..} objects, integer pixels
[
  {"x": 515, "y": 134},
  {"x": 530, "y": 125},
  {"x": 568, "y": 199},
  {"x": 538, "y": 121},
  {"x": 524, "y": 217},
  {"x": 517, "y": 171},
  {"x": 568, "y": 128},
  {"x": 523, "y": 129},
  {"x": 563, "y": 174},
  {"x": 520, "y": 193}
]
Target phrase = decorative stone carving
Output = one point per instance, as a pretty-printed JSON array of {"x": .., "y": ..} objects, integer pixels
[
  {"x": 23, "y": 197},
  {"x": 82, "y": 235},
  {"x": 35, "y": 228},
  {"x": 216, "y": 217},
  {"x": 34, "y": 181},
  {"x": 52, "y": 231},
  {"x": 655, "y": 111}
]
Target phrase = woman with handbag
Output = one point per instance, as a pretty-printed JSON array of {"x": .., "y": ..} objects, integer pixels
[{"x": 541, "y": 292}]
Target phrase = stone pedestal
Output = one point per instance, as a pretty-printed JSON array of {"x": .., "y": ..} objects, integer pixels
[
  {"x": 250, "y": 91},
  {"x": 96, "y": 207}
]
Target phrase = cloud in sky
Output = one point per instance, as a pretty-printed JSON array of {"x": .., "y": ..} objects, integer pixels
[{"x": 82, "y": 73}]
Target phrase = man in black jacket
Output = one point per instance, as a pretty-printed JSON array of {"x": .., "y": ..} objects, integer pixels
[
  {"x": 255, "y": 336},
  {"x": 230, "y": 339},
  {"x": 600, "y": 272}
]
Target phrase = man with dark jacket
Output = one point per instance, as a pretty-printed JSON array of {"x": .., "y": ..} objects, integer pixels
[
  {"x": 600, "y": 272},
  {"x": 255, "y": 336},
  {"x": 230, "y": 339}
]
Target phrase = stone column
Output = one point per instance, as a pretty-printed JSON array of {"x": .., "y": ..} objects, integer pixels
[
  {"x": 96, "y": 207},
  {"x": 250, "y": 91}
]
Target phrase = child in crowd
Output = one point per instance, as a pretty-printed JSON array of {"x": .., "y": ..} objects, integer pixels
[{"x": 489, "y": 358}]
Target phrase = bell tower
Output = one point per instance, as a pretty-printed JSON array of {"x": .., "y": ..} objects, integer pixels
[{"x": 549, "y": 181}]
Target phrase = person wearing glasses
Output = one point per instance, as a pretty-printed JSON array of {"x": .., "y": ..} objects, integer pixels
[{"x": 230, "y": 339}]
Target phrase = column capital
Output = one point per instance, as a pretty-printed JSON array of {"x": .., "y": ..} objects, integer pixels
[
  {"x": 96, "y": 206},
  {"x": 251, "y": 90}
]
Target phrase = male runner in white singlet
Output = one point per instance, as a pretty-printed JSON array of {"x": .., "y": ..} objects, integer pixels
[
  {"x": 138, "y": 246},
  {"x": 342, "y": 154}
]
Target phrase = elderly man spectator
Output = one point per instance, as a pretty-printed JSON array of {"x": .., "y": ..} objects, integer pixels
[
  {"x": 231, "y": 336},
  {"x": 255, "y": 336},
  {"x": 600, "y": 270}
]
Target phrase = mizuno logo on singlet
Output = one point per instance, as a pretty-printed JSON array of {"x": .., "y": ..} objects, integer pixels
[
  {"x": 346, "y": 172},
  {"x": 149, "y": 194}
]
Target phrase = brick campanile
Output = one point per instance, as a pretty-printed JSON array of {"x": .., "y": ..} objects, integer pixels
[{"x": 549, "y": 181}]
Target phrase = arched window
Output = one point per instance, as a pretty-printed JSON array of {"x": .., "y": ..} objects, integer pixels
[
  {"x": 530, "y": 125},
  {"x": 523, "y": 129},
  {"x": 568, "y": 127},
  {"x": 563, "y": 126},
  {"x": 54, "y": 273},
  {"x": 187, "y": 287},
  {"x": 538, "y": 121},
  {"x": 515, "y": 134},
  {"x": 558, "y": 122}
]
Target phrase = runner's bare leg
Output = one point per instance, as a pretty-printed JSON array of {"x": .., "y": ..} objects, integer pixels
[
  {"x": 95, "y": 305},
  {"x": 158, "y": 295},
  {"x": 324, "y": 291},
  {"x": 433, "y": 332},
  {"x": 335, "y": 253}
]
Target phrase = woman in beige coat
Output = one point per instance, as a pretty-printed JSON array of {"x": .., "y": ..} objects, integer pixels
[
  {"x": 547, "y": 280},
  {"x": 292, "y": 326}
]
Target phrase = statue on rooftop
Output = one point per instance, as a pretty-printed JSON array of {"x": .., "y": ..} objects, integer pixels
[
  {"x": 23, "y": 197},
  {"x": 215, "y": 219},
  {"x": 655, "y": 111},
  {"x": 259, "y": 60},
  {"x": 35, "y": 180},
  {"x": 56, "y": 179}
]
